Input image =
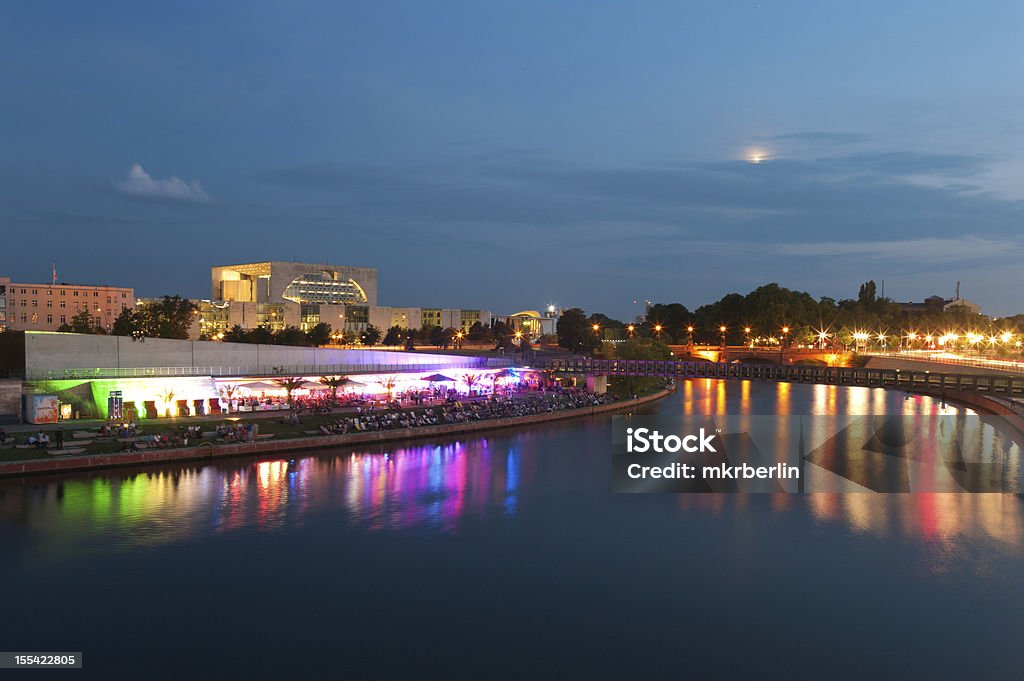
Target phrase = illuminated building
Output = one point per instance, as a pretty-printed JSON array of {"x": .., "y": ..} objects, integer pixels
[
  {"x": 531, "y": 322},
  {"x": 44, "y": 307},
  {"x": 278, "y": 294}
]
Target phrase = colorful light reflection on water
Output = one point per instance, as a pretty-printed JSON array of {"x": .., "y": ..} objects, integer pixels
[
  {"x": 437, "y": 486},
  {"x": 414, "y": 561}
]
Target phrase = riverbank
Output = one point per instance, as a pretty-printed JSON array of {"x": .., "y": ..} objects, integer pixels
[{"x": 209, "y": 451}]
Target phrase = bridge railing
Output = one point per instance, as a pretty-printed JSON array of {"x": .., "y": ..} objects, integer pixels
[
  {"x": 1002, "y": 384},
  {"x": 261, "y": 371},
  {"x": 1010, "y": 365}
]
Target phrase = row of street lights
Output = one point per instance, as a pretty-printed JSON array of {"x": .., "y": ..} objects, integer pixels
[{"x": 861, "y": 338}]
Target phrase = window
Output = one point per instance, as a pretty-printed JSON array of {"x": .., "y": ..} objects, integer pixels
[
  {"x": 35, "y": 303},
  {"x": 35, "y": 292},
  {"x": 95, "y": 294},
  {"x": 49, "y": 319},
  {"x": 49, "y": 291},
  {"x": 35, "y": 318},
  {"x": 22, "y": 290},
  {"x": 24, "y": 318},
  {"x": 63, "y": 292},
  {"x": 63, "y": 303},
  {"x": 108, "y": 299},
  {"x": 49, "y": 303},
  {"x": 23, "y": 302},
  {"x": 63, "y": 319},
  {"x": 124, "y": 295},
  {"x": 76, "y": 294}
]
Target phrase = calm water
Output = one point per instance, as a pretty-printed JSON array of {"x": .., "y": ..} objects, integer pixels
[{"x": 506, "y": 556}]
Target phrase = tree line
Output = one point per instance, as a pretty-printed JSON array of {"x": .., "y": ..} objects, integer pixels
[{"x": 774, "y": 314}]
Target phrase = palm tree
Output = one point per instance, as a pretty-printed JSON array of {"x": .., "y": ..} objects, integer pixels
[
  {"x": 167, "y": 396},
  {"x": 470, "y": 380},
  {"x": 388, "y": 383},
  {"x": 289, "y": 384},
  {"x": 334, "y": 382},
  {"x": 228, "y": 391}
]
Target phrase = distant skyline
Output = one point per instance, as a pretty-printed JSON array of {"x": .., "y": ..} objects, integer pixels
[{"x": 511, "y": 155}]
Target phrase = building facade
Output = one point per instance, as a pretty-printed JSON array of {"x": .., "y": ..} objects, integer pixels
[
  {"x": 420, "y": 317},
  {"x": 940, "y": 304},
  {"x": 531, "y": 322},
  {"x": 45, "y": 307},
  {"x": 277, "y": 294}
]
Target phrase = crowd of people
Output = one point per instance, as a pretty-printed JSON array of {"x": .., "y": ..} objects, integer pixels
[
  {"x": 237, "y": 432},
  {"x": 453, "y": 411},
  {"x": 122, "y": 430}
]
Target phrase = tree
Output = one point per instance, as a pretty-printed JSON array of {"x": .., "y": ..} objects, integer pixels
[
  {"x": 228, "y": 391},
  {"x": 290, "y": 335},
  {"x": 167, "y": 397},
  {"x": 575, "y": 332},
  {"x": 168, "y": 317},
  {"x": 334, "y": 382},
  {"x": 83, "y": 322},
  {"x": 471, "y": 380},
  {"x": 638, "y": 349},
  {"x": 501, "y": 334},
  {"x": 867, "y": 293},
  {"x": 236, "y": 334},
  {"x": 388, "y": 383},
  {"x": 673, "y": 319},
  {"x": 125, "y": 325},
  {"x": 261, "y": 334},
  {"x": 371, "y": 336},
  {"x": 478, "y": 333},
  {"x": 319, "y": 334},
  {"x": 289, "y": 384},
  {"x": 394, "y": 336}
]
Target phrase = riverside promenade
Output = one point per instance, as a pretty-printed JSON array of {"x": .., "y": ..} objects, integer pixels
[{"x": 209, "y": 451}]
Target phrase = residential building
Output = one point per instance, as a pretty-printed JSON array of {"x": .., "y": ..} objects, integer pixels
[{"x": 45, "y": 307}]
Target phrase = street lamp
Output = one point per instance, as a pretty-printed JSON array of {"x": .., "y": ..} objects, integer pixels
[
  {"x": 689, "y": 330},
  {"x": 746, "y": 332},
  {"x": 722, "y": 329},
  {"x": 785, "y": 330},
  {"x": 631, "y": 329},
  {"x": 657, "y": 330}
]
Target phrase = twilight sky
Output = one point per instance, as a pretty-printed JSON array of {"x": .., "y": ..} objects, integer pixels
[{"x": 507, "y": 155}]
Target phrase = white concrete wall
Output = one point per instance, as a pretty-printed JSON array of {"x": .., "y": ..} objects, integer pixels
[{"x": 55, "y": 351}]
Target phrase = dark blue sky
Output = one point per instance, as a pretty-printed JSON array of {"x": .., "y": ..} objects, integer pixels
[{"x": 508, "y": 155}]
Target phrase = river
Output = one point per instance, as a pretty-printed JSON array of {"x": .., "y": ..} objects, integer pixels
[{"x": 505, "y": 555}]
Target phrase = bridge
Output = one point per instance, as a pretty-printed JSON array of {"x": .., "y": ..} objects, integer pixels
[
  {"x": 917, "y": 381},
  {"x": 745, "y": 353}
]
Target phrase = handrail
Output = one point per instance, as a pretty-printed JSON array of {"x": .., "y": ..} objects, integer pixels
[
  {"x": 261, "y": 371},
  {"x": 854, "y": 376},
  {"x": 1007, "y": 365}
]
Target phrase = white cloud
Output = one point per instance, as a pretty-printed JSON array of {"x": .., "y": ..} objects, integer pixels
[
  {"x": 930, "y": 249},
  {"x": 139, "y": 183}
]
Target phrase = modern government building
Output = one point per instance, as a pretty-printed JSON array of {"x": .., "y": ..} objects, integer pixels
[{"x": 280, "y": 294}]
